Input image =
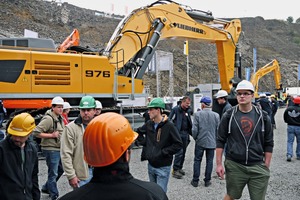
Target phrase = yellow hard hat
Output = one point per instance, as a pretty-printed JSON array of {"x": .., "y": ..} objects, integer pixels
[{"x": 21, "y": 125}]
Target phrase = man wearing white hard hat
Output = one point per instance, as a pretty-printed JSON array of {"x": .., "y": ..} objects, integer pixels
[
  {"x": 66, "y": 109},
  {"x": 98, "y": 108},
  {"x": 248, "y": 133},
  {"x": 221, "y": 97},
  {"x": 50, "y": 130},
  {"x": 265, "y": 104}
]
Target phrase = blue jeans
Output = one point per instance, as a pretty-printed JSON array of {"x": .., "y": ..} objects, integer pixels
[
  {"x": 180, "y": 155},
  {"x": 160, "y": 176},
  {"x": 83, "y": 182},
  {"x": 55, "y": 171},
  {"x": 292, "y": 132},
  {"x": 209, "y": 154}
]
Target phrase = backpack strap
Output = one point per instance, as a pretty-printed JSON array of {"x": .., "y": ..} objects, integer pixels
[
  {"x": 53, "y": 122},
  {"x": 234, "y": 110},
  {"x": 261, "y": 115}
]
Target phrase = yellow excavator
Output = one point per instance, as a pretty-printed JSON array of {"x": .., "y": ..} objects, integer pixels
[
  {"x": 272, "y": 66},
  {"x": 30, "y": 77}
]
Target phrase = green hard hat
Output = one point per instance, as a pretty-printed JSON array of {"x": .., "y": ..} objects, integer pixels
[
  {"x": 157, "y": 103},
  {"x": 87, "y": 102}
]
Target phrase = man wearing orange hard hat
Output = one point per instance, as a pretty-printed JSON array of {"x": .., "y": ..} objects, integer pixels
[
  {"x": 19, "y": 161},
  {"x": 106, "y": 142}
]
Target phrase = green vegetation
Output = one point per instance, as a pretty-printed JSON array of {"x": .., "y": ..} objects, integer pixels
[
  {"x": 290, "y": 19},
  {"x": 297, "y": 40}
]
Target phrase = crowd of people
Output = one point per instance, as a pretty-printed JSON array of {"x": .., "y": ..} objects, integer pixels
[{"x": 93, "y": 150}]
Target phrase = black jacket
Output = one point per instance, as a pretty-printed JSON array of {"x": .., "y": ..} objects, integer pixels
[
  {"x": 16, "y": 184},
  {"x": 266, "y": 105},
  {"x": 237, "y": 149},
  {"x": 116, "y": 183},
  {"x": 161, "y": 144},
  {"x": 176, "y": 116},
  {"x": 291, "y": 115}
]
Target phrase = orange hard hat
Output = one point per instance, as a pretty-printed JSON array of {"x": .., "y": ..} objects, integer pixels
[{"x": 106, "y": 138}]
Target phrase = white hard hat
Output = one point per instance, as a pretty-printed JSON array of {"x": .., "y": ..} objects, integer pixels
[
  {"x": 57, "y": 101},
  {"x": 98, "y": 104},
  {"x": 262, "y": 95},
  {"x": 245, "y": 85},
  {"x": 67, "y": 105},
  {"x": 221, "y": 93}
]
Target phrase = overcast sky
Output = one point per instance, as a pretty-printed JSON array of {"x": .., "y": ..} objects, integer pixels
[{"x": 268, "y": 9}]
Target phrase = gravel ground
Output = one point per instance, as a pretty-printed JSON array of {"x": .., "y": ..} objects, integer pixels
[{"x": 283, "y": 185}]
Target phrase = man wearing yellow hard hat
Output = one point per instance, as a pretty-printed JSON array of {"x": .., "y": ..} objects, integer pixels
[{"x": 19, "y": 161}]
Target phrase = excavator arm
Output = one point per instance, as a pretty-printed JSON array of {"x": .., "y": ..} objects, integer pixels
[
  {"x": 272, "y": 66},
  {"x": 72, "y": 40},
  {"x": 133, "y": 43}
]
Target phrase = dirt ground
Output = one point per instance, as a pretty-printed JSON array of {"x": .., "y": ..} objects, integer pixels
[{"x": 283, "y": 185}]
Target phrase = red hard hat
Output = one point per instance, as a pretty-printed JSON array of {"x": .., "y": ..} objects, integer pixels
[
  {"x": 106, "y": 138},
  {"x": 296, "y": 100}
]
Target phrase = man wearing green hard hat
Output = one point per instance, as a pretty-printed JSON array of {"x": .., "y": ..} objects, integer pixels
[
  {"x": 76, "y": 169},
  {"x": 160, "y": 140}
]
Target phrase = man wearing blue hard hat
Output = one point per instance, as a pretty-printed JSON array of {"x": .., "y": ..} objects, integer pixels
[{"x": 204, "y": 132}]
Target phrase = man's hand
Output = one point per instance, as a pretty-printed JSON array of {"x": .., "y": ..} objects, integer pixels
[
  {"x": 74, "y": 182},
  {"x": 268, "y": 157},
  {"x": 220, "y": 171},
  {"x": 55, "y": 134}
]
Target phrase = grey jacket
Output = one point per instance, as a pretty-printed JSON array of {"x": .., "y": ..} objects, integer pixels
[{"x": 205, "y": 127}]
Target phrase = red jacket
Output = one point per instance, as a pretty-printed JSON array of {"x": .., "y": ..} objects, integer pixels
[{"x": 65, "y": 118}]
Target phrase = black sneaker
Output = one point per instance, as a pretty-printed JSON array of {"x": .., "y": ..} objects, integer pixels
[
  {"x": 177, "y": 174},
  {"x": 45, "y": 191},
  {"x": 194, "y": 183},
  {"x": 289, "y": 158},
  {"x": 181, "y": 172},
  {"x": 206, "y": 184}
]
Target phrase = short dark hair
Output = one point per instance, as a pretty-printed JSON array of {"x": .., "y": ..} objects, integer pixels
[{"x": 186, "y": 98}]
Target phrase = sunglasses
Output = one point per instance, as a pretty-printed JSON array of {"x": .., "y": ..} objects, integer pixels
[{"x": 243, "y": 93}]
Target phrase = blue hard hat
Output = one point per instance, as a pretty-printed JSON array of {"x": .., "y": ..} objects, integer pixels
[{"x": 205, "y": 100}]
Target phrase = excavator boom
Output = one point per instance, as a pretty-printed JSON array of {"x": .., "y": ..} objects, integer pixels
[
  {"x": 272, "y": 66},
  {"x": 137, "y": 35}
]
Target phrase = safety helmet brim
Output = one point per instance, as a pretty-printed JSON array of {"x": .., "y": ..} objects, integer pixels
[
  {"x": 106, "y": 138},
  {"x": 21, "y": 125}
]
